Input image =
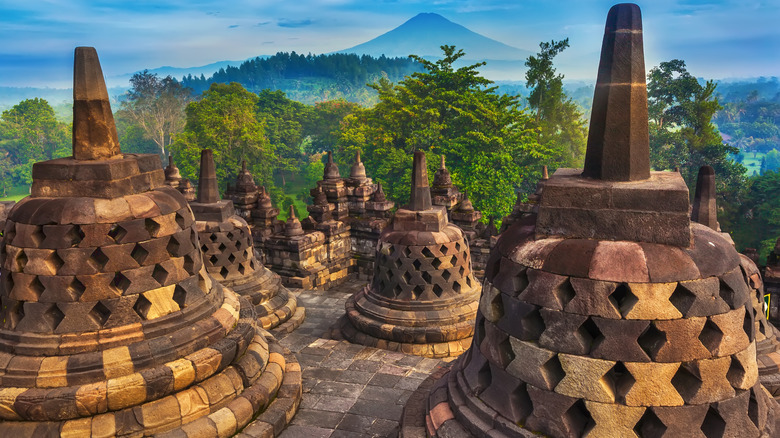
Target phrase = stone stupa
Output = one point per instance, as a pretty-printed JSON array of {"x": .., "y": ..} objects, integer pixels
[
  {"x": 705, "y": 212},
  {"x": 111, "y": 324},
  {"x": 423, "y": 297},
  {"x": 229, "y": 255},
  {"x": 609, "y": 313}
]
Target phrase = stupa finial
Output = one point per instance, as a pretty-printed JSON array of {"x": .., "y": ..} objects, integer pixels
[
  {"x": 208, "y": 191},
  {"x": 94, "y": 130},
  {"x": 705, "y": 209},
  {"x": 421, "y": 193},
  {"x": 618, "y": 139}
]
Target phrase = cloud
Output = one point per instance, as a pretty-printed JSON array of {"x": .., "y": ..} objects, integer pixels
[
  {"x": 232, "y": 26},
  {"x": 262, "y": 23},
  {"x": 284, "y": 22}
]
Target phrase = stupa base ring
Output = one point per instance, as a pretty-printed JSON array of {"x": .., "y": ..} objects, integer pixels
[{"x": 436, "y": 350}]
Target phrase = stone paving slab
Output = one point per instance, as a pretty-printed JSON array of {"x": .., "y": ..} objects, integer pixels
[{"x": 349, "y": 390}]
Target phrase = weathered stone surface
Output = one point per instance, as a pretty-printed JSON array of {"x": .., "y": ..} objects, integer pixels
[
  {"x": 652, "y": 385},
  {"x": 618, "y": 139},
  {"x": 94, "y": 131},
  {"x": 652, "y": 301},
  {"x": 704, "y": 381},
  {"x": 654, "y": 210},
  {"x": 620, "y": 340},
  {"x": 585, "y": 378},
  {"x": 613, "y": 420},
  {"x": 705, "y": 210},
  {"x": 535, "y": 365},
  {"x": 208, "y": 192},
  {"x": 743, "y": 372},
  {"x": 592, "y": 297}
]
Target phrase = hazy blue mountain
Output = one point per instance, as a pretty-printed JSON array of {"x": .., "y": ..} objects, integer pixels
[{"x": 423, "y": 35}]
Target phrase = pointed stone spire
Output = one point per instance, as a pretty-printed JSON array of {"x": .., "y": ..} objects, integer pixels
[
  {"x": 208, "y": 192},
  {"x": 293, "y": 226},
  {"x": 705, "y": 210},
  {"x": 379, "y": 194},
  {"x": 320, "y": 199},
  {"x": 264, "y": 199},
  {"x": 545, "y": 175},
  {"x": 442, "y": 176},
  {"x": 618, "y": 139},
  {"x": 94, "y": 131},
  {"x": 421, "y": 194},
  {"x": 358, "y": 169},
  {"x": 490, "y": 229},
  {"x": 245, "y": 183},
  {"x": 172, "y": 174},
  {"x": 331, "y": 170},
  {"x": 465, "y": 204}
]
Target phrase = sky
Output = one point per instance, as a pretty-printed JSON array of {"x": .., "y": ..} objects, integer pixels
[{"x": 717, "y": 38}]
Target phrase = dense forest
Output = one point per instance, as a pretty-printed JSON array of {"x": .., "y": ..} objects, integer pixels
[
  {"x": 282, "y": 113},
  {"x": 311, "y": 78}
]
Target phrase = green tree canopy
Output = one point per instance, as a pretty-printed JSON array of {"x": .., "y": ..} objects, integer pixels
[
  {"x": 323, "y": 125},
  {"x": 29, "y": 132},
  {"x": 682, "y": 134},
  {"x": 758, "y": 225},
  {"x": 487, "y": 138},
  {"x": 561, "y": 122},
  {"x": 154, "y": 107},
  {"x": 282, "y": 119},
  {"x": 771, "y": 161},
  {"x": 225, "y": 121}
]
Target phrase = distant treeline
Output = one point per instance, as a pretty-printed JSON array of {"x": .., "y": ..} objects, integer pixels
[{"x": 310, "y": 78}]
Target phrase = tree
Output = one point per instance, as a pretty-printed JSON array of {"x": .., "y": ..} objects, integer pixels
[
  {"x": 682, "y": 134},
  {"x": 282, "y": 119},
  {"x": 486, "y": 137},
  {"x": 771, "y": 161},
  {"x": 324, "y": 123},
  {"x": 758, "y": 225},
  {"x": 561, "y": 122},
  {"x": 29, "y": 132},
  {"x": 156, "y": 106},
  {"x": 225, "y": 121}
]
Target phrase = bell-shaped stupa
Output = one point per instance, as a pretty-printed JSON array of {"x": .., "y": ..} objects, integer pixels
[
  {"x": 229, "y": 255},
  {"x": 111, "y": 324},
  {"x": 705, "y": 212},
  {"x": 609, "y": 313},
  {"x": 423, "y": 296}
]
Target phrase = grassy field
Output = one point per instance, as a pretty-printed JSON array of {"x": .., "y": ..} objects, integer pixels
[
  {"x": 753, "y": 163},
  {"x": 292, "y": 189},
  {"x": 16, "y": 193}
]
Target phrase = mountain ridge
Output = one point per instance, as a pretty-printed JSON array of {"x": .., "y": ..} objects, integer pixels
[{"x": 423, "y": 35}]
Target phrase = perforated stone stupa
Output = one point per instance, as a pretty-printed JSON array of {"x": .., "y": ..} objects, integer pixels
[
  {"x": 609, "y": 313},
  {"x": 423, "y": 297},
  {"x": 705, "y": 212},
  {"x": 111, "y": 324},
  {"x": 229, "y": 256}
]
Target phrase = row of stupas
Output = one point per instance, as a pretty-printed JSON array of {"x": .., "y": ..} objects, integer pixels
[
  {"x": 423, "y": 295},
  {"x": 345, "y": 221}
]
